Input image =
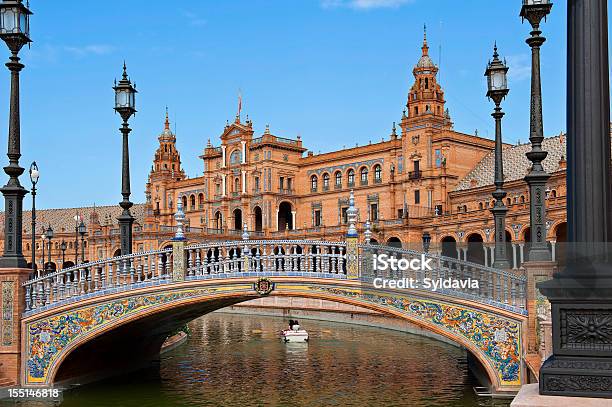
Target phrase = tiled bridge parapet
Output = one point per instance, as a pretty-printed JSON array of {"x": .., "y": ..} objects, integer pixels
[{"x": 71, "y": 307}]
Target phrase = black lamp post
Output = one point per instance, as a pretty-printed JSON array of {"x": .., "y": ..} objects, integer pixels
[
  {"x": 34, "y": 174},
  {"x": 426, "y": 241},
  {"x": 15, "y": 31},
  {"x": 125, "y": 105},
  {"x": 497, "y": 82},
  {"x": 534, "y": 11},
  {"x": 63, "y": 247},
  {"x": 43, "y": 239},
  {"x": 82, "y": 232},
  {"x": 581, "y": 294},
  {"x": 76, "y": 239},
  {"x": 49, "y": 234}
]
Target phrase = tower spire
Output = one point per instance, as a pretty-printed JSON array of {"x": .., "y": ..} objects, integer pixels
[
  {"x": 167, "y": 123},
  {"x": 425, "y": 47}
]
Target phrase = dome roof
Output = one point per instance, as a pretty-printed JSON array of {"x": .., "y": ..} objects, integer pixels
[{"x": 425, "y": 62}]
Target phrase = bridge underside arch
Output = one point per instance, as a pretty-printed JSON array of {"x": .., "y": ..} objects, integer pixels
[{"x": 57, "y": 341}]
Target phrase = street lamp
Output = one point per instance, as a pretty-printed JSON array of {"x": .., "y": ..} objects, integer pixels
[
  {"x": 497, "y": 81},
  {"x": 49, "y": 234},
  {"x": 15, "y": 31},
  {"x": 82, "y": 232},
  {"x": 534, "y": 11},
  {"x": 125, "y": 105},
  {"x": 426, "y": 241},
  {"x": 76, "y": 239},
  {"x": 34, "y": 174},
  {"x": 43, "y": 239},
  {"x": 63, "y": 247}
]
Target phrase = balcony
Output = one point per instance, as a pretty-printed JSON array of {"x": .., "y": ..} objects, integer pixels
[
  {"x": 286, "y": 191},
  {"x": 415, "y": 174}
]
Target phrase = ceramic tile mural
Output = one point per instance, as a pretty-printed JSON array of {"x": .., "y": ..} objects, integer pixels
[
  {"x": 498, "y": 338},
  {"x": 48, "y": 337},
  {"x": 7, "y": 313}
]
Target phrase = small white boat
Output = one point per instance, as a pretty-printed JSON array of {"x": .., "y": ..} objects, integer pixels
[{"x": 295, "y": 334}]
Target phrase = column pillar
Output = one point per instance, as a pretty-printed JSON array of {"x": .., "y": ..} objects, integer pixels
[
  {"x": 581, "y": 294},
  {"x": 293, "y": 220},
  {"x": 223, "y": 156},
  {"x": 243, "y": 181},
  {"x": 486, "y": 257},
  {"x": 552, "y": 250},
  {"x": 514, "y": 265},
  {"x": 243, "y": 152},
  {"x": 521, "y": 253},
  {"x": 12, "y": 307},
  {"x": 492, "y": 254},
  {"x": 223, "y": 190}
]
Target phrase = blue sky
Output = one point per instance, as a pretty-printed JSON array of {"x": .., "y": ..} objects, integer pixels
[{"x": 336, "y": 72}]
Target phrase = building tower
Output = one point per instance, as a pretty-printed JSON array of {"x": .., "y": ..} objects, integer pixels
[
  {"x": 166, "y": 169},
  {"x": 426, "y": 97}
]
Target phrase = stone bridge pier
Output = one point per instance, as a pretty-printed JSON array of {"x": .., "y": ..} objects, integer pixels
[{"x": 12, "y": 300}]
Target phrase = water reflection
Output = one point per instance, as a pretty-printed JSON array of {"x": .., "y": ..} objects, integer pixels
[{"x": 233, "y": 360}]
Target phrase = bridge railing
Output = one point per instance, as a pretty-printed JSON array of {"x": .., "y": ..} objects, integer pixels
[
  {"x": 258, "y": 256},
  {"x": 280, "y": 257},
  {"x": 484, "y": 284},
  {"x": 117, "y": 273}
]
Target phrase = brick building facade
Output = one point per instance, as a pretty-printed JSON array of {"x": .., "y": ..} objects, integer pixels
[{"x": 424, "y": 177}]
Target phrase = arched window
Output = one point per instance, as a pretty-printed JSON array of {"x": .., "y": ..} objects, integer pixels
[
  {"x": 236, "y": 184},
  {"x": 338, "y": 179},
  {"x": 314, "y": 183},
  {"x": 377, "y": 173},
  {"x": 522, "y": 199},
  {"x": 185, "y": 202},
  {"x": 464, "y": 208},
  {"x": 364, "y": 176},
  {"x": 325, "y": 181},
  {"x": 416, "y": 110},
  {"x": 480, "y": 205},
  {"x": 201, "y": 201},
  {"x": 192, "y": 202},
  {"x": 351, "y": 177},
  {"x": 426, "y": 83}
]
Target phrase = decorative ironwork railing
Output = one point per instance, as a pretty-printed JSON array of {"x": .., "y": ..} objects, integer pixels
[
  {"x": 501, "y": 288},
  {"x": 117, "y": 273},
  {"x": 498, "y": 288},
  {"x": 284, "y": 256}
]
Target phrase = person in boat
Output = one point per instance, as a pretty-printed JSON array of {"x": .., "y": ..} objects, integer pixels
[
  {"x": 291, "y": 323},
  {"x": 296, "y": 325}
]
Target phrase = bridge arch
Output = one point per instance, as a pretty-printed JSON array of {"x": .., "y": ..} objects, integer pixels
[{"x": 168, "y": 309}]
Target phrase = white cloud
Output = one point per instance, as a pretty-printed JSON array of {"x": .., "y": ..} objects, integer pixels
[
  {"x": 364, "y": 4},
  {"x": 520, "y": 67},
  {"x": 194, "y": 19},
  {"x": 93, "y": 49}
]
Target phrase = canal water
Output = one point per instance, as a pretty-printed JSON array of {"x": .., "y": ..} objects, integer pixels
[{"x": 238, "y": 360}]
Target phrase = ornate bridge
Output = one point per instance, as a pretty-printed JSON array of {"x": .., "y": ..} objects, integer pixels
[{"x": 68, "y": 311}]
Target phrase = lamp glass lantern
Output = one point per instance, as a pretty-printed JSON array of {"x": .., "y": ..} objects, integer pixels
[
  {"x": 34, "y": 173},
  {"x": 49, "y": 233},
  {"x": 125, "y": 96},
  {"x": 63, "y": 246},
  {"x": 497, "y": 78},
  {"x": 15, "y": 20},
  {"x": 82, "y": 228}
]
